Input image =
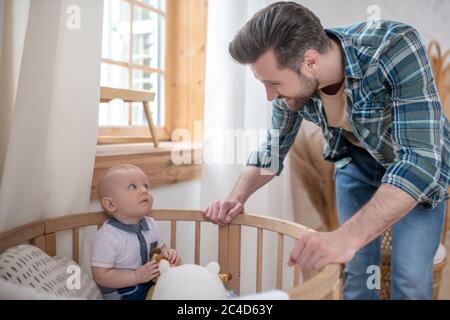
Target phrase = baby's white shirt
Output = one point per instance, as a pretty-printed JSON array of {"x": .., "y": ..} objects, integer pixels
[{"x": 118, "y": 249}]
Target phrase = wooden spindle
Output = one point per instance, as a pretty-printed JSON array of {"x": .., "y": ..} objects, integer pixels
[
  {"x": 223, "y": 248},
  {"x": 234, "y": 257},
  {"x": 50, "y": 244},
  {"x": 197, "y": 242},
  {"x": 39, "y": 242},
  {"x": 75, "y": 245},
  {"x": 173, "y": 234},
  {"x": 259, "y": 260},
  {"x": 280, "y": 248},
  {"x": 296, "y": 275}
]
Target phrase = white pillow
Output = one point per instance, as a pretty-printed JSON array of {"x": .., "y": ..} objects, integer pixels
[
  {"x": 12, "y": 291},
  {"x": 27, "y": 267}
]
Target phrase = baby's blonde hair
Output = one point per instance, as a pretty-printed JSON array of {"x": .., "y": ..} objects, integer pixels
[{"x": 105, "y": 181}]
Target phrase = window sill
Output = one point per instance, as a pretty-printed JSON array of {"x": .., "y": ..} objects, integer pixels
[{"x": 156, "y": 163}]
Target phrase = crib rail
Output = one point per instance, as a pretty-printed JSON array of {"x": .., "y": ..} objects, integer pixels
[
  {"x": 230, "y": 241},
  {"x": 317, "y": 285},
  {"x": 33, "y": 233}
]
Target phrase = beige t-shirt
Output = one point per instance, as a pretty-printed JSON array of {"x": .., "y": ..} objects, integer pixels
[{"x": 335, "y": 107}]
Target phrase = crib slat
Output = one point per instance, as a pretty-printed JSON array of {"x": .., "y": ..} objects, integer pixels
[
  {"x": 39, "y": 242},
  {"x": 234, "y": 257},
  {"x": 173, "y": 234},
  {"x": 197, "y": 242},
  {"x": 296, "y": 275},
  {"x": 280, "y": 248},
  {"x": 75, "y": 240},
  {"x": 50, "y": 244},
  {"x": 223, "y": 248},
  {"x": 259, "y": 260},
  {"x": 306, "y": 275}
]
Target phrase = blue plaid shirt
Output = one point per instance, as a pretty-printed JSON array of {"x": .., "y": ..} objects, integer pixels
[{"x": 393, "y": 107}]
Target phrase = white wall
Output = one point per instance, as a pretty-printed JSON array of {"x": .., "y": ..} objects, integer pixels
[{"x": 430, "y": 17}]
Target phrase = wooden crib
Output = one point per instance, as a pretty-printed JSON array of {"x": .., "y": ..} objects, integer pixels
[{"x": 315, "y": 285}]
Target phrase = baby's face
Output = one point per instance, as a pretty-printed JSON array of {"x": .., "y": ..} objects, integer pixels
[{"x": 130, "y": 193}]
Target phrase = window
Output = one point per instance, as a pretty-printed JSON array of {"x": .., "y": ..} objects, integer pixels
[
  {"x": 167, "y": 58},
  {"x": 158, "y": 46},
  {"x": 133, "y": 54}
]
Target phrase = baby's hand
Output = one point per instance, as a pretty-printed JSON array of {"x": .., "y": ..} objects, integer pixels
[
  {"x": 172, "y": 256},
  {"x": 147, "y": 272}
]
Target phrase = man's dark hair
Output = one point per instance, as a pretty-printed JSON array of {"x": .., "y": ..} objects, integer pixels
[{"x": 287, "y": 28}]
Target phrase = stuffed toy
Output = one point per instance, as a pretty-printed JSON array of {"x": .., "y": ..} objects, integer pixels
[{"x": 190, "y": 282}]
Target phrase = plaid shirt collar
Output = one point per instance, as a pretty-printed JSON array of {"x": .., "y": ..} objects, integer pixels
[{"x": 352, "y": 68}]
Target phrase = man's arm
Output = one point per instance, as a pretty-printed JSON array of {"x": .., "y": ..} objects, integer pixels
[
  {"x": 251, "y": 179},
  {"x": 263, "y": 164},
  {"x": 316, "y": 250},
  {"x": 388, "y": 205}
]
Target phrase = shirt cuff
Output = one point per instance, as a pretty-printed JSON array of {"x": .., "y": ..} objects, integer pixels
[
  {"x": 261, "y": 159},
  {"x": 102, "y": 264},
  {"x": 414, "y": 181}
]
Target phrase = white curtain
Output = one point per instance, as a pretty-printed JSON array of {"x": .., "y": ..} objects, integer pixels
[
  {"x": 49, "y": 93},
  {"x": 235, "y": 100}
]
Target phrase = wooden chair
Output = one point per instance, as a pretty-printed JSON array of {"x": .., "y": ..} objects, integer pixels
[{"x": 108, "y": 94}]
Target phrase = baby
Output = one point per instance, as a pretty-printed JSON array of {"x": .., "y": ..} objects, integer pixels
[{"x": 120, "y": 250}]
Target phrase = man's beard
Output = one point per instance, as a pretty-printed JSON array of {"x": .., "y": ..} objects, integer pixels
[{"x": 310, "y": 85}]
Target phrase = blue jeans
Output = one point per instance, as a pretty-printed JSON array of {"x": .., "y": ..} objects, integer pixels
[
  {"x": 138, "y": 292},
  {"x": 415, "y": 238}
]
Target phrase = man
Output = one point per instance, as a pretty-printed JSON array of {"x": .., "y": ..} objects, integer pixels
[{"x": 370, "y": 88}]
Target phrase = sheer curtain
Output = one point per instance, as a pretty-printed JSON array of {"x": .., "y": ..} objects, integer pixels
[{"x": 49, "y": 91}]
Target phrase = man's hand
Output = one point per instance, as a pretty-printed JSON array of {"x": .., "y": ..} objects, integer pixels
[
  {"x": 172, "y": 256},
  {"x": 147, "y": 272},
  {"x": 223, "y": 212},
  {"x": 315, "y": 250}
]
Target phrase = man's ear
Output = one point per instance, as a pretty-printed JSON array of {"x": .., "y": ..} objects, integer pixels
[
  {"x": 310, "y": 62},
  {"x": 109, "y": 205}
]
